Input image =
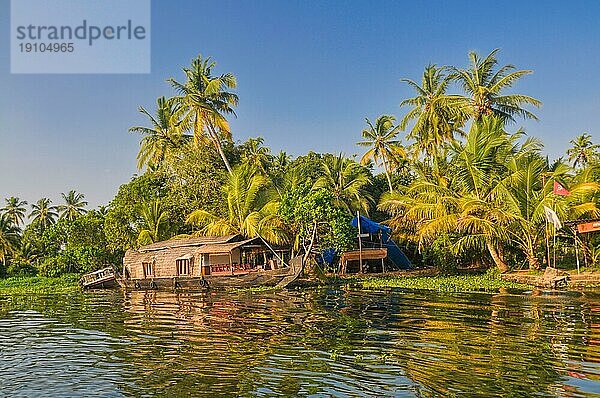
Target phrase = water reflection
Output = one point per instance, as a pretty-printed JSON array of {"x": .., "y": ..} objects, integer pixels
[{"x": 301, "y": 343}]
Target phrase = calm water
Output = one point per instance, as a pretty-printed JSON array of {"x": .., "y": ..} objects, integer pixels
[{"x": 300, "y": 343}]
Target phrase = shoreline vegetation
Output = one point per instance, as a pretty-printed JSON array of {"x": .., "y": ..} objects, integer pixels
[
  {"x": 40, "y": 284},
  {"x": 456, "y": 180},
  {"x": 489, "y": 282}
]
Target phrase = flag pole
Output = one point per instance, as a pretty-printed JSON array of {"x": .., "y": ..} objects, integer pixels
[
  {"x": 546, "y": 228},
  {"x": 554, "y": 248},
  {"x": 359, "y": 242}
]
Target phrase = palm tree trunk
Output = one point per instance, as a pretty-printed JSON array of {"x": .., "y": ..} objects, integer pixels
[
  {"x": 215, "y": 139},
  {"x": 502, "y": 266},
  {"x": 387, "y": 174},
  {"x": 533, "y": 261}
]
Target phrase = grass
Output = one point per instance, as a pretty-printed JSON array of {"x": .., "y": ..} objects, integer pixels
[
  {"x": 254, "y": 289},
  {"x": 40, "y": 284},
  {"x": 488, "y": 282}
]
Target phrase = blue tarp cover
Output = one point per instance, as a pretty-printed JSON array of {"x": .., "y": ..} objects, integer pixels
[
  {"x": 370, "y": 226},
  {"x": 394, "y": 253}
]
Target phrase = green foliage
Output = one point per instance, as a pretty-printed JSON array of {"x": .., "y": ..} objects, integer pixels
[
  {"x": 384, "y": 148},
  {"x": 302, "y": 208},
  {"x": 21, "y": 268},
  {"x": 73, "y": 207},
  {"x": 15, "y": 209},
  {"x": 166, "y": 137},
  {"x": 123, "y": 219},
  {"x": 195, "y": 182},
  {"x": 348, "y": 182},
  {"x": 155, "y": 226},
  {"x": 251, "y": 209},
  {"x": 488, "y": 282},
  {"x": 76, "y": 246},
  {"x": 39, "y": 285}
]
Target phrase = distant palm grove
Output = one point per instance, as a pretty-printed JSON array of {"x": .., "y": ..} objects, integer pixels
[{"x": 456, "y": 180}]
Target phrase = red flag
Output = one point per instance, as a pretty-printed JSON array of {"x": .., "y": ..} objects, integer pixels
[{"x": 560, "y": 190}]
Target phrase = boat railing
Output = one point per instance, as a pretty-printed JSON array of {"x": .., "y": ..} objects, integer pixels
[{"x": 95, "y": 276}]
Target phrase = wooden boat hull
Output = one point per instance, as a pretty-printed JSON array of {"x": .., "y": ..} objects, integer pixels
[
  {"x": 253, "y": 279},
  {"x": 107, "y": 284}
]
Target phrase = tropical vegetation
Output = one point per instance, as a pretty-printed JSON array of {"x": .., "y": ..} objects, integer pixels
[{"x": 458, "y": 183}]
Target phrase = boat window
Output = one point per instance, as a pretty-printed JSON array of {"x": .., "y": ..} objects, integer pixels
[
  {"x": 148, "y": 269},
  {"x": 184, "y": 266}
]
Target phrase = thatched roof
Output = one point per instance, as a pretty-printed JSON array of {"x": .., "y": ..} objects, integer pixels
[
  {"x": 219, "y": 248},
  {"x": 188, "y": 242}
]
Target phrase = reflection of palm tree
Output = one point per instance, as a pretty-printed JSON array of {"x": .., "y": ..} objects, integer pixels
[
  {"x": 161, "y": 141},
  {"x": 43, "y": 213},
  {"x": 208, "y": 100},
  {"x": 485, "y": 85},
  {"x": 437, "y": 115},
  {"x": 9, "y": 237},
  {"x": 251, "y": 207},
  {"x": 74, "y": 205},
  {"x": 348, "y": 182},
  {"x": 583, "y": 150},
  {"x": 15, "y": 209},
  {"x": 383, "y": 147}
]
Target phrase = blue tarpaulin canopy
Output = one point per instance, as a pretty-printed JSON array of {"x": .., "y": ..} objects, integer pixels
[
  {"x": 395, "y": 255},
  {"x": 370, "y": 226}
]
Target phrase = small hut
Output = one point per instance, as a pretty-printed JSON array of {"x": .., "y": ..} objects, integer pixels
[{"x": 198, "y": 257}]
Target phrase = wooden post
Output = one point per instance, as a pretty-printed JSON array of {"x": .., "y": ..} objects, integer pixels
[
  {"x": 231, "y": 262},
  {"x": 359, "y": 243}
]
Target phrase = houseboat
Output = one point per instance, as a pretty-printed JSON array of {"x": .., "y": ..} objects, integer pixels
[{"x": 208, "y": 262}]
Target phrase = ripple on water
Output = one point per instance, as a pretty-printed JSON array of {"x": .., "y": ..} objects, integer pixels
[{"x": 309, "y": 343}]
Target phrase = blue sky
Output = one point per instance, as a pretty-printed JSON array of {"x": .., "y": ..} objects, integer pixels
[{"x": 308, "y": 74}]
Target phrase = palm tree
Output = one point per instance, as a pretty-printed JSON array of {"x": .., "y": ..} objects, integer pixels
[
  {"x": 256, "y": 155},
  {"x": 208, "y": 100},
  {"x": 15, "y": 209},
  {"x": 484, "y": 85},
  {"x": 530, "y": 181},
  {"x": 251, "y": 209},
  {"x": 583, "y": 150},
  {"x": 166, "y": 135},
  {"x": 348, "y": 181},
  {"x": 473, "y": 203},
  {"x": 155, "y": 225},
  {"x": 436, "y": 114},
  {"x": 9, "y": 237},
  {"x": 43, "y": 213},
  {"x": 74, "y": 205},
  {"x": 383, "y": 147}
]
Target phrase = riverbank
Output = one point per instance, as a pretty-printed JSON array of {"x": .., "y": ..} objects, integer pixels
[
  {"x": 40, "y": 284},
  {"x": 555, "y": 278},
  {"x": 425, "y": 279}
]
